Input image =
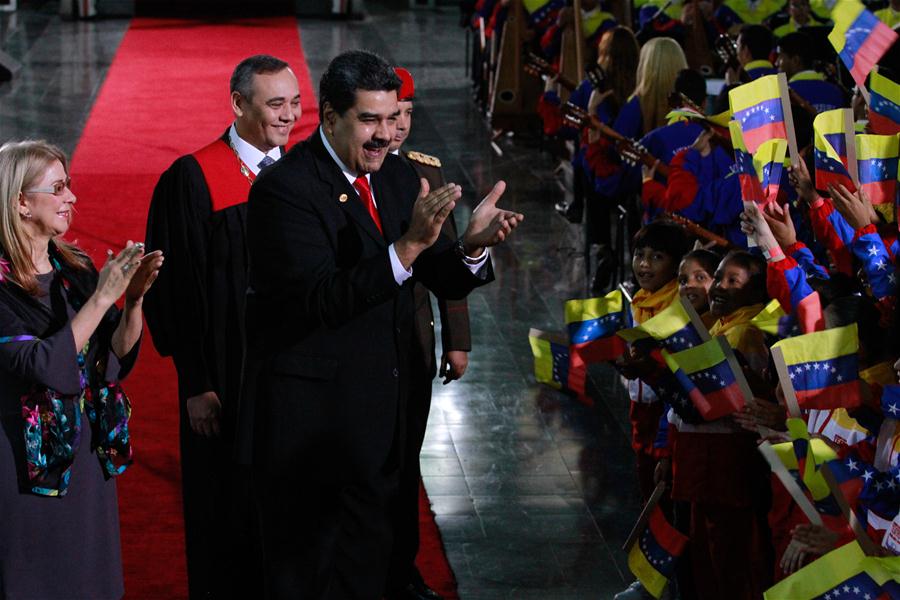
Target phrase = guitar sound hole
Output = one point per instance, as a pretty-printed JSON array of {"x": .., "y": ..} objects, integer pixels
[{"x": 507, "y": 96}]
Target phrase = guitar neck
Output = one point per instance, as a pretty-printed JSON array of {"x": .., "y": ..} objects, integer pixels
[
  {"x": 645, "y": 157},
  {"x": 697, "y": 230}
]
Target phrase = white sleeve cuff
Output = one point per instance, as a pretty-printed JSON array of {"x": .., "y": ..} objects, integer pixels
[
  {"x": 475, "y": 265},
  {"x": 400, "y": 274}
]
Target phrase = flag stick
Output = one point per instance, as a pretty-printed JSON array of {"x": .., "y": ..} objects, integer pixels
[
  {"x": 790, "y": 397},
  {"x": 645, "y": 516},
  {"x": 865, "y": 94},
  {"x": 850, "y": 145},
  {"x": 739, "y": 377},
  {"x": 625, "y": 293},
  {"x": 865, "y": 542},
  {"x": 789, "y": 483},
  {"x": 788, "y": 119},
  {"x": 696, "y": 321}
]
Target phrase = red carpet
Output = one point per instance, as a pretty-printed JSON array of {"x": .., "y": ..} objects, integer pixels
[
  {"x": 166, "y": 94},
  {"x": 432, "y": 561}
]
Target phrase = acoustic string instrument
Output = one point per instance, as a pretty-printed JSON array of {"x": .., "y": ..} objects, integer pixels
[
  {"x": 631, "y": 151},
  {"x": 538, "y": 67},
  {"x": 697, "y": 230}
]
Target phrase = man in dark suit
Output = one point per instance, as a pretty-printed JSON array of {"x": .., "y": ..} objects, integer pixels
[
  {"x": 338, "y": 231},
  {"x": 405, "y": 582}
]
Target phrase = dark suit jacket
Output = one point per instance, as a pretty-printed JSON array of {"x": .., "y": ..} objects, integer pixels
[
  {"x": 328, "y": 328},
  {"x": 455, "y": 334}
]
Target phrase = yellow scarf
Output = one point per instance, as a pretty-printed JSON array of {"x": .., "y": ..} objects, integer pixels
[
  {"x": 647, "y": 304},
  {"x": 743, "y": 335}
]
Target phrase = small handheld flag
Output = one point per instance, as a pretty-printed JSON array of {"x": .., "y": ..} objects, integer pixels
[
  {"x": 675, "y": 328},
  {"x": 758, "y": 109},
  {"x": 884, "y": 104},
  {"x": 712, "y": 378},
  {"x": 654, "y": 547},
  {"x": 759, "y": 173},
  {"x": 843, "y": 573},
  {"x": 748, "y": 178},
  {"x": 832, "y": 143},
  {"x": 821, "y": 368},
  {"x": 551, "y": 358},
  {"x": 859, "y": 38},
  {"x": 592, "y": 326},
  {"x": 877, "y": 159},
  {"x": 769, "y": 318}
]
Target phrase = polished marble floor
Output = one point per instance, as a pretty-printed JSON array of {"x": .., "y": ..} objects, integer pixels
[{"x": 534, "y": 492}]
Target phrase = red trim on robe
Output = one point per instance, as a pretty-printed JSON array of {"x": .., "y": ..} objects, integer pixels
[{"x": 227, "y": 185}]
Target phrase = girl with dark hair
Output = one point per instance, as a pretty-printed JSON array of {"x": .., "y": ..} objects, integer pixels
[
  {"x": 695, "y": 277},
  {"x": 716, "y": 468}
]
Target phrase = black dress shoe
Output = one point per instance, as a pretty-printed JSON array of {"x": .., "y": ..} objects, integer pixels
[{"x": 415, "y": 591}]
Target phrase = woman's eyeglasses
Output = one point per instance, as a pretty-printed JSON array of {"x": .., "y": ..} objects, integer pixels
[{"x": 57, "y": 190}]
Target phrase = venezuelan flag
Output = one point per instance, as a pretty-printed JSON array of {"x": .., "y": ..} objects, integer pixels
[
  {"x": 768, "y": 161},
  {"x": 851, "y": 474},
  {"x": 751, "y": 188},
  {"x": 890, "y": 401},
  {"x": 757, "y": 107},
  {"x": 877, "y": 159},
  {"x": 769, "y": 318},
  {"x": 808, "y": 462},
  {"x": 592, "y": 326},
  {"x": 884, "y": 110},
  {"x": 830, "y": 150},
  {"x": 652, "y": 557},
  {"x": 551, "y": 358},
  {"x": 708, "y": 378},
  {"x": 672, "y": 329},
  {"x": 841, "y": 574},
  {"x": 824, "y": 367},
  {"x": 859, "y": 37}
]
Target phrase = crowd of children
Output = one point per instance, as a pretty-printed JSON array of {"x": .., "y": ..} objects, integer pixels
[{"x": 649, "y": 138}]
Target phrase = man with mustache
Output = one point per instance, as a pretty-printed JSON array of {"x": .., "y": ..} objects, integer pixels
[
  {"x": 338, "y": 233},
  {"x": 195, "y": 314},
  {"x": 405, "y": 582}
]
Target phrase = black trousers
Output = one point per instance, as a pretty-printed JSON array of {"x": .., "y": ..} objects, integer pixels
[
  {"x": 405, "y": 510},
  {"x": 325, "y": 535},
  {"x": 221, "y": 529}
]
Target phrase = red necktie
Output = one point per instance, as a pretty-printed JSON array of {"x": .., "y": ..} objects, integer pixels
[{"x": 365, "y": 194}]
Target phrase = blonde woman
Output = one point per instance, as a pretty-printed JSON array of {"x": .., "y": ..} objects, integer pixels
[
  {"x": 660, "y": 61},
  {"x": 63, "y": 348}
]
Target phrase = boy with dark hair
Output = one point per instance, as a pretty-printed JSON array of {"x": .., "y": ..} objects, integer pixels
[{"x": 796, "y": 53}]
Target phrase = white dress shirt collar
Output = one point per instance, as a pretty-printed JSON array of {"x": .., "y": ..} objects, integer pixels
[
  {"x": 250, "y": 154},
  {"x": 350, "y": 175}
]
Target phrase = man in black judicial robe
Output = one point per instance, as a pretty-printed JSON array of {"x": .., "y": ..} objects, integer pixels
[
  {"x": 337, "y": 237},
  {"x": 195, "y": 314}
]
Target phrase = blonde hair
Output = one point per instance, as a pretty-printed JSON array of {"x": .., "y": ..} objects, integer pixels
[
  {"x": 22, "y": 165},
  {"x": 661, "y": 60}
]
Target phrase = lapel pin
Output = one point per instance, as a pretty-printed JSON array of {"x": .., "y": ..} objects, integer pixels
[{"x": 342, "y": 198}]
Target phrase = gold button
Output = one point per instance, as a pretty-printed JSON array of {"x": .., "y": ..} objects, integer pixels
[{"x": 342, "y": 198}]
